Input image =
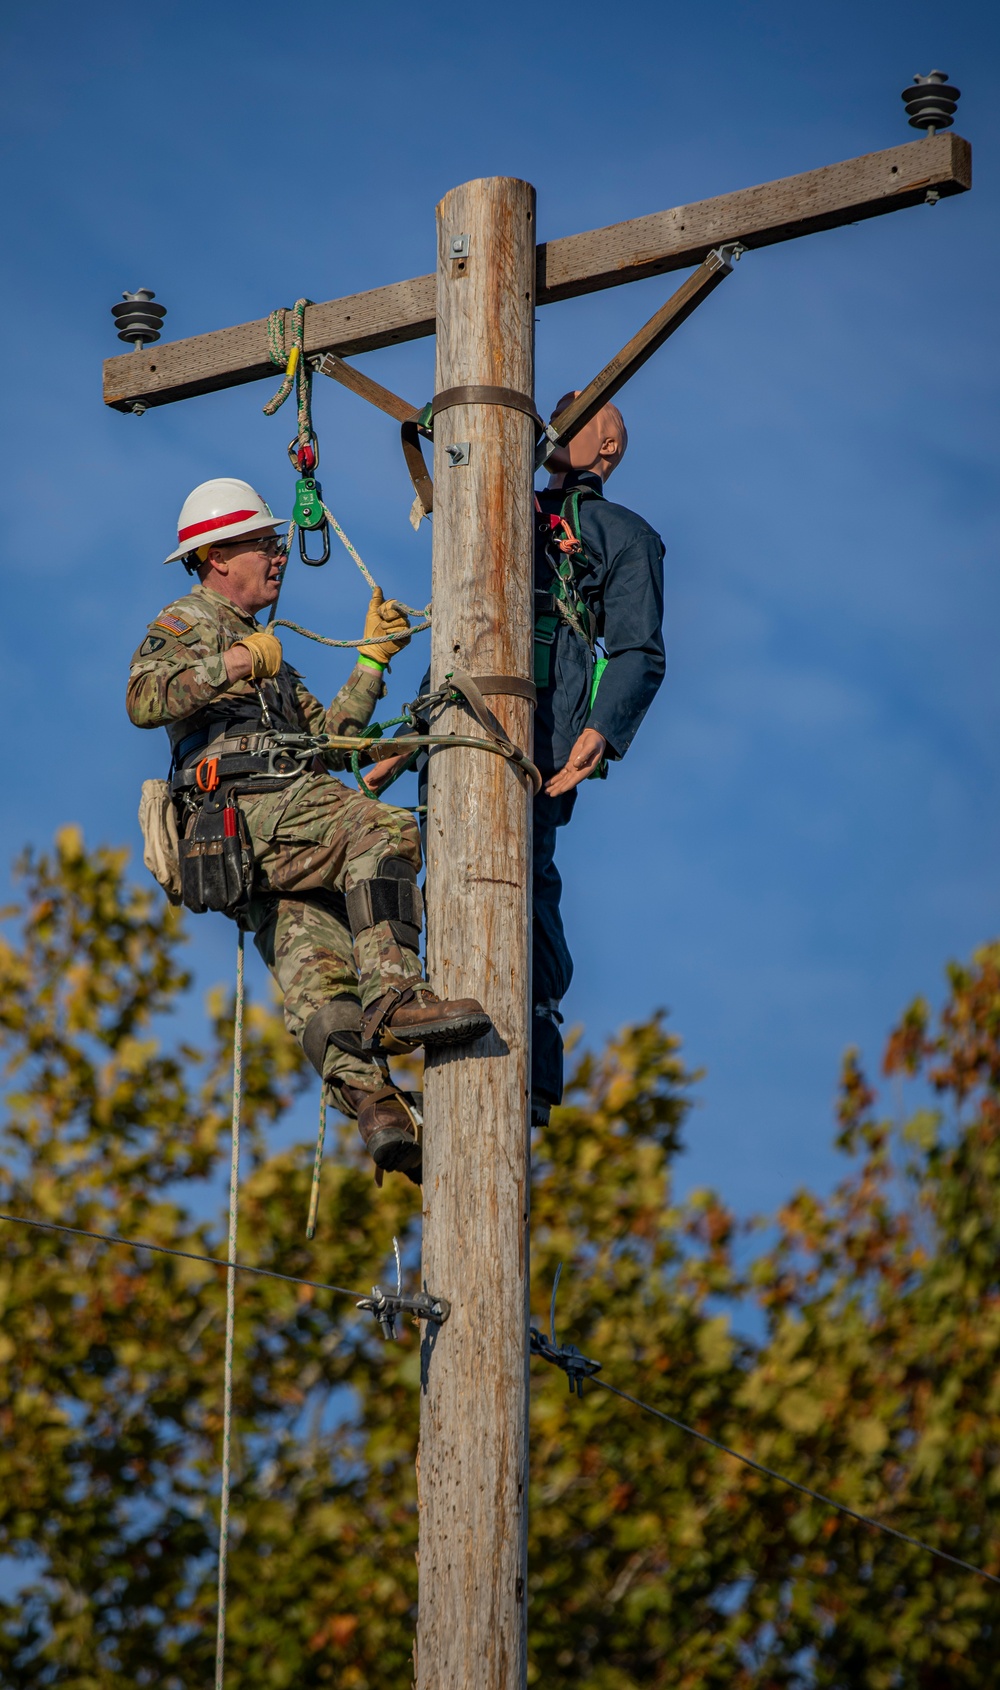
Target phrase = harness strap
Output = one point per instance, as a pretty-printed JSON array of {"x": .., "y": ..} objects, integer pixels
[
  {"x": 210, "y": 771},
  {"x": 546, "y": 628},
  {"x": 373, "y": 1018}
]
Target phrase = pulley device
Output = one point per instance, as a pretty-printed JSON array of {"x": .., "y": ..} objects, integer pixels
[{"x": 308, "y": 513}]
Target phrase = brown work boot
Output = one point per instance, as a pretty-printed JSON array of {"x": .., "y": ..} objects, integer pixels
[
  {"x": 418, "y": 1017},
  {"x": 387, "y": 1130}
]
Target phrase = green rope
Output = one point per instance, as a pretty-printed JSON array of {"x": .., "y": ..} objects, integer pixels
[{"x": 298, "y": 374}]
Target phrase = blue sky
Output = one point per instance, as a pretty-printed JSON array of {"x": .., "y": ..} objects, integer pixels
[{"x": 807, "y": 826}]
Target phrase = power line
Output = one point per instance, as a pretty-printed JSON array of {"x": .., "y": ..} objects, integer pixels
[
  {"x": 187, "y": 1255},
  {"x": 817, "y": 1496},
  {"x": 549, "y": 1354}
]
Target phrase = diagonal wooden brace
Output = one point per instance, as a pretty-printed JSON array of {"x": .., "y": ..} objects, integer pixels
[
  {"x": 678, "y": 308},
  {"x": 383, "y": 397}
]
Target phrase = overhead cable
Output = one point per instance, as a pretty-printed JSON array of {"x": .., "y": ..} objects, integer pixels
[
  {"x": 783, "y": 1479},
  {"x": 187, "y": 1255}
]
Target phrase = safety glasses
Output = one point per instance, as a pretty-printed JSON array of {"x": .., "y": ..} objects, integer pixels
[{"x": 272, "y": 545}]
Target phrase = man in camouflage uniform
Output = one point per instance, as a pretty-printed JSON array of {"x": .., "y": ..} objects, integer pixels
[{"x": 334, "y": 905}]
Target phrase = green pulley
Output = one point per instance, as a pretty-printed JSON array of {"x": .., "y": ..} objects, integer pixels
[
  {"x": 307, "y": 511},
  {"x": 308, "y": 514}
]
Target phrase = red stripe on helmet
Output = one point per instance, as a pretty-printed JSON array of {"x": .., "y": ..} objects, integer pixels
[{"x": 219, "y": 522}]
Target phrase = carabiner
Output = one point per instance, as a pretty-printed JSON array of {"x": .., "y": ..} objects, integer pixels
[
  {"x": 315, "y": 562},
  {"x": 304, "y": 458}
]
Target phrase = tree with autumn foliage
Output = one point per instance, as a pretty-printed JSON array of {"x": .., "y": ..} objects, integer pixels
[{"x": 654, "y": 1559}]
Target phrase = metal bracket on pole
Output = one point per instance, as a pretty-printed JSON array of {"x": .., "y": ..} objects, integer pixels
[
  {"x": 717, "y": 265},
  {"x": 385, "y": 1305}
]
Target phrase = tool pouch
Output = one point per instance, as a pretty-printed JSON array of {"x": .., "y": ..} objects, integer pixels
[
  {"x": 158, "y": 821},
  {"x": 216, "y": 859}
]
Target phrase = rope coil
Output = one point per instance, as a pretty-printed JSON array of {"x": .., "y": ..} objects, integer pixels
[{"x": 298, "y": 370}]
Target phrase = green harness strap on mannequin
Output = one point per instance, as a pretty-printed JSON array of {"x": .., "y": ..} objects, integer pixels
[{"x": 569, "y": 608}]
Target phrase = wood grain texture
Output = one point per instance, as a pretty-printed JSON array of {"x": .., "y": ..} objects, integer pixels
[
  {"x": 181, "y": 369},
  {"x": 774, "y": 211},
  {"x": 819, "y": 199},
  {"x": 472, "y": 1481}
]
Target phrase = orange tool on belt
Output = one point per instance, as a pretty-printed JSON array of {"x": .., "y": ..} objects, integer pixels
[{"x": 206, "y": 775}]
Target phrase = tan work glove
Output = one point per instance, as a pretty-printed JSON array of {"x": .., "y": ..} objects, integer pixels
[
  {"x": 265, "y": 654},
  {"x": 384, "y": 618}
]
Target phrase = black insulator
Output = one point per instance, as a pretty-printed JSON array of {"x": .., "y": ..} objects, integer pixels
[
  {"x": 139, "y": 320},
  {"x": 930, "y": 102}
]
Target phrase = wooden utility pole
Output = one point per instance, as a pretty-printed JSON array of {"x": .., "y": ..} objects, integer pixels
[
  {"x": 490, "y": 273},
  {"x": 473, "y": 1455}
]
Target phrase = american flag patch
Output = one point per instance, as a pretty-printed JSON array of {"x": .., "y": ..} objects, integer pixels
[{"x": 173, "y": 624}]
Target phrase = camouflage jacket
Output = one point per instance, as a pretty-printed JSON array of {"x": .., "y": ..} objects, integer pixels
[{"x": 178, "y": 681}]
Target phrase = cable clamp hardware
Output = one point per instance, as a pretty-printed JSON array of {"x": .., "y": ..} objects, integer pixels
[
  {"x": 386, "y": 1305},
  {"x": 576, "y": 1367}
]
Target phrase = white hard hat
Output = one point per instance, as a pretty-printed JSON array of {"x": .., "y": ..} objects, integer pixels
[{"x": 221, "y": 510}]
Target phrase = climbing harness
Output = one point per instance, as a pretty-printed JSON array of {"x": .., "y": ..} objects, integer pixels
[
  {"x": 563, "y": 544},
  {"x": 562, "y": 540}
]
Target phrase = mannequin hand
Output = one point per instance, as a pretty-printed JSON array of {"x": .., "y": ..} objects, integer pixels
[
  {"x": 379, "y": 773},
  {"x": 581, "y": 762},
  {"x": 385, "y": 623}
]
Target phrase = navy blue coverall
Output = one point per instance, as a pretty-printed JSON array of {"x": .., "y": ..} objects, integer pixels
[{"x": 619, "y": 578}]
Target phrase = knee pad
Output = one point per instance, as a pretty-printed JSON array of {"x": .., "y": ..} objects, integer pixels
[
  {"x": 337, "y": 1023},
  {"x": 393, "y": 896}
]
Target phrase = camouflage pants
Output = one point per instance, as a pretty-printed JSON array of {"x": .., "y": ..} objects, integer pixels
[{"x": 321, "y": 837}]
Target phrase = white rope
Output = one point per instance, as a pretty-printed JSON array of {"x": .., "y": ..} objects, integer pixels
[
  {"x": 227, "y": 1387},
  {"x": 317, "y": 1163},
  {"x": 374, "y": 639}
]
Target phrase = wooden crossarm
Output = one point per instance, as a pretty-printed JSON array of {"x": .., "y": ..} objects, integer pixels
[{"x": 826, "y": 198}]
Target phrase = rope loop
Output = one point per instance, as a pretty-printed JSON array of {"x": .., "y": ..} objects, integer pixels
[{"x": 298, "y": 370}]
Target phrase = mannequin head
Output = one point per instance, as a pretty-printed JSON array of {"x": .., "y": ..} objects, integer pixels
[{"x": 599, "y": 447}]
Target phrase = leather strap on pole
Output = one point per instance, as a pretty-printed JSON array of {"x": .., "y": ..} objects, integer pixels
[
  {"x": 505, "y": 396},
  {"x": 511, "y": 686},
  {"x": 423, "y": 486},
  {"x": 465, "y": 684}
]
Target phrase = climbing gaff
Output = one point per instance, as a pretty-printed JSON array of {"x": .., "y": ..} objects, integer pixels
[{"x": 308, "y": 513}]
